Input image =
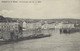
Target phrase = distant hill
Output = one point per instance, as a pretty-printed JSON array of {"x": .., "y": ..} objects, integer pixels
[
  {"x": 69, "y": 20},
  {"x": 2, "y": 19}
]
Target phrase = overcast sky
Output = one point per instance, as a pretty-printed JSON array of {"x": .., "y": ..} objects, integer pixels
[{"x": 47, "y": 9}]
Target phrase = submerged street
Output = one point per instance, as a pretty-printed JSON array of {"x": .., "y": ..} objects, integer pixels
[{"x": 56, "y": 42}]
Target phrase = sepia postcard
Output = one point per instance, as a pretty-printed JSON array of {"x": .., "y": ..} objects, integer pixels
[{"x": 39, "y": 25}]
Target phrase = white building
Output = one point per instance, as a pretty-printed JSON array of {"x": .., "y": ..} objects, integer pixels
[
  {"x": 63, "y": 25},
  {"x": 24, "y": 25},
  {"x": 48, "y": 26},
  {"x": 33, "y": 25}
]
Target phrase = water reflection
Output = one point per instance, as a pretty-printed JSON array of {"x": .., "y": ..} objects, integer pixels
[{"x": 57, "y": 40}]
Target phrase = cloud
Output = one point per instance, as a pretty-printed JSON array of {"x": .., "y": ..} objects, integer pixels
[{"x": 5, "y": 12}]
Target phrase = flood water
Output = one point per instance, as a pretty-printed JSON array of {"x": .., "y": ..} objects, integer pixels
[{"x": 57, "y": 42}]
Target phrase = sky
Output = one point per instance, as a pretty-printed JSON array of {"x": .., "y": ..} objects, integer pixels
[{"x": 47, "y": 9}]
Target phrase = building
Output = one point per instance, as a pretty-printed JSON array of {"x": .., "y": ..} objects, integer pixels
[
  {"x": 24, "y": 25},
  {"x": 32, "y": 25},
  {"x": 48, "y": 26}
]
